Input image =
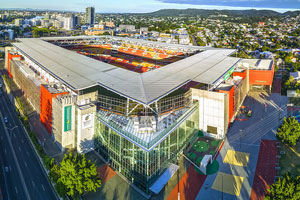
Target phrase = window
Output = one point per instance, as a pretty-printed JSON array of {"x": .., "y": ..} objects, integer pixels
[{"x": 212, "y": 129}]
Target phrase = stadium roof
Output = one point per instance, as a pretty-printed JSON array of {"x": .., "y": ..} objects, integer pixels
[{"x": 80, "y": 72}]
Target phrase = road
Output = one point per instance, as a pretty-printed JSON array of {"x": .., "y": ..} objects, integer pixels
[{"x": 21, "y": 174}]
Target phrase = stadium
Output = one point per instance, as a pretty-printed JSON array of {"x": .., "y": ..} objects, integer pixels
[{"x": 138, "y": 103}]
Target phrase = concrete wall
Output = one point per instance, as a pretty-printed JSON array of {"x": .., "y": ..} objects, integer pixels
[
  {"x": 85, "y": 128},
  {"x": 66, "y": 139},
  {"x": 86, "y": 112},
  {"x": 213, "y": 111},
  {"x": 57, "y": 122}
]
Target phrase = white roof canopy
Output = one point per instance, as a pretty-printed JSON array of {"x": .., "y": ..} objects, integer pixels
[{"x": 80, "y": 72}]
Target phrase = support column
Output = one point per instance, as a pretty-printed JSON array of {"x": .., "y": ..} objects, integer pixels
[
  {"x": 120, "y": 153},
  {"x": 158, "y": 149},
  {"x": 127, "y": 107},
  {"x": 169, "y": 152}
]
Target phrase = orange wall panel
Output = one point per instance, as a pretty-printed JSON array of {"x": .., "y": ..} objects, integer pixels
[
  {"x": 46, "y": 107},
  {"x": 260, "y": 77},
  {"x": 231, "y": 101},
  {"x": 9, "y": 58}
]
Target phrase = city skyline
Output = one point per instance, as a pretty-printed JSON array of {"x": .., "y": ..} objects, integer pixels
[{"x": 135, "y": 6}]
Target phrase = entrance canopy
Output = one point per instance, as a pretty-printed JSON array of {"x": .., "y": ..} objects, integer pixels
[{"x": 164, "y": 178}]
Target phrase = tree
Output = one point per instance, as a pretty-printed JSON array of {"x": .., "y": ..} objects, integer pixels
[
  {"x": 75, "y": 176},
  {"x": 289, "y": 131},
  {"x": 286, "y": 188},
  {"x": 106, "y": 33},
  {"x": 39, "y": 32}
]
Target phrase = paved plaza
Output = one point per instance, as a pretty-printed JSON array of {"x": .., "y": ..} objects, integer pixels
[{"x": 239, "y": 156}]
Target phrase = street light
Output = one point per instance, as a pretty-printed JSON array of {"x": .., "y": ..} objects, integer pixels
[
  {"x": 222, "y": 188},
  {"x": 240, "y": 138}
]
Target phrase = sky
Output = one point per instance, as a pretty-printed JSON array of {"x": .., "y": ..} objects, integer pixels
[{"x": 142, "y": 6}]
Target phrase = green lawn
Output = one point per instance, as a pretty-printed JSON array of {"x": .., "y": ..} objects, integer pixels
[{"x": 290, "y": 162}]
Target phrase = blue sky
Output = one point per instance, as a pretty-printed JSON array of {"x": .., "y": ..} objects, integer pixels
[{"x": 140, "y": 6}]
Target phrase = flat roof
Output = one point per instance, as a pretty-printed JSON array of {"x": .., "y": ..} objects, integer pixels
[
  {"x": 258, "y": 64},
  {"x": 80, "y": 72}
]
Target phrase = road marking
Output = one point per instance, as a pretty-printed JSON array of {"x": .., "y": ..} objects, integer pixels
[
  {"x": 15, "y": 157},
  {"x": 1, "y": 137},
  {"x": 25, "y": 163},
  {"x": 22, "y": 141},
  {"x": 27, "y": 153},
  {"x": 19, "y": 149},
  {"x": 16, "y": 190},
  {"x": 43, "y": 187},
  {"x": 5, "y": 151},
  {"x": 14, "y": 135},
  {"x": 11, "y": 110},
  {"x": 5, "y": 181},
  {"x": 33, "y": 184}
]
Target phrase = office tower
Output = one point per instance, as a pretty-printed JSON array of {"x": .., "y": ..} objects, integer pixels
[
  {"x": 76, "y": 21},
  {"x": 90, "y": 15},
  {"x": 68, "y": 23}
]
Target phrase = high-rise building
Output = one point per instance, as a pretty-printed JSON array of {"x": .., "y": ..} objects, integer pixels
[
  {"x": 68, "y": 23},
  {"x": 76, "y": 20},
  {"x": 90, "y": 15}
]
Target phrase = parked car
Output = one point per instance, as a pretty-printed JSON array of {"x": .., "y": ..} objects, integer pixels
[{"x": 5, "y": 120}]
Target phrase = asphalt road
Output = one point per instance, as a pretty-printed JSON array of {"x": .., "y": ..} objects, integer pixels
[{"x": 21, "y": 174}]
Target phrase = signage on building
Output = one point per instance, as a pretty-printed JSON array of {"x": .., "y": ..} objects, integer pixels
[
  {"x": 87, "y": 121},
  {"x": 68, "y": 118},
  {"x": 227, "y": 75}
]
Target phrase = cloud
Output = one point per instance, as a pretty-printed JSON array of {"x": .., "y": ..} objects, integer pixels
[{"x": 292, "y": 4}]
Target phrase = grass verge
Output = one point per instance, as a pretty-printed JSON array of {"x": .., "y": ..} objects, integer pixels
[{"x": 290, "y": 161}]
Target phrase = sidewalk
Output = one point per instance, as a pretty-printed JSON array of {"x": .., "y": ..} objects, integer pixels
[
  {"x": 265, "y": 169},
  {"x": 43, "y": 136}
]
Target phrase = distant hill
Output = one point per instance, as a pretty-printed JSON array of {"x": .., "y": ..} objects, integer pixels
[{"x": 205, "y": 12}]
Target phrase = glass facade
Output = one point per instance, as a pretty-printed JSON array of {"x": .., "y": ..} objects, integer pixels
[{"x": 139, "y": 166}]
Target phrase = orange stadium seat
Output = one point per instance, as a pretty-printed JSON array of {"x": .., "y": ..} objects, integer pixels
[{"x": 163, "y": 56}]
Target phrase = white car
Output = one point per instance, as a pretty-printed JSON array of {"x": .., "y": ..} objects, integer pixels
[{"x": 5, "y": 120}]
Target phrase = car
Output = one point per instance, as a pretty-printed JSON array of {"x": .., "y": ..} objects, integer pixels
[{"x": 5, "y": 120}]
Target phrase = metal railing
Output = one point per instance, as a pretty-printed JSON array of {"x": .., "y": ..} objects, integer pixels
[{"x": 140, "y": 142}]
